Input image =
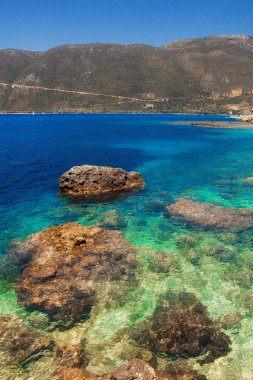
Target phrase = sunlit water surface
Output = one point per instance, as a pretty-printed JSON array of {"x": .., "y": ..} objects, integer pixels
[{"x": 176, "y": 160}]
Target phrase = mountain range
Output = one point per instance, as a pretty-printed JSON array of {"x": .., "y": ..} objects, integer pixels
[{"x": 212, "y": 74}]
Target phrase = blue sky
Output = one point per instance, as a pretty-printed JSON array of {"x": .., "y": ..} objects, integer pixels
[{"x": 41, "y": 24}]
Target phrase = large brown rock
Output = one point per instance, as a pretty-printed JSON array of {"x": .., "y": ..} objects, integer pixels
[
  {"x": 95, "y": 181},
  {"x": 184, "y": 329},
  {"x": 210, "y": 216},
  {"x": 65, "y": 264},
  {"x": 20, "y": 342}
]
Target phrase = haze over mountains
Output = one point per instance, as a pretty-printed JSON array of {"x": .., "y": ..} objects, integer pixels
[{"x": 213, "y": 74}]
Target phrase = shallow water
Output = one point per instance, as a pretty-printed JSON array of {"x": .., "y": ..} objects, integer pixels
[{"x": 176, "y": 160}]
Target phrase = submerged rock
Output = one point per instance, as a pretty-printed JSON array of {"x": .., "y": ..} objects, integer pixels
[
  {"x": 111, "y": 219},
  {"x": 68, "y": 356},
  {"x": 95, "y": 181},
  {"x": 210, "y": 216},
  {"x": 180, "y": 371},
  {"x": 21, "y": 343},
  {"x": 231, "y": 320},
  {"x": 249, "y": 180},
  {"x": 27, "y": 350},
  {"x": 77, "y": 374},
  {"x": 136, "y": 370},
  {"x": 67, "y": 264},
  {"x": 184, "y": 329},
  {"x": 186, "y": 242}
]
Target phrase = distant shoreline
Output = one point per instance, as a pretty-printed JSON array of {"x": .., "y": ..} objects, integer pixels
[
  {"x": 243, "y": 125},
  {"x": 119, "y": 113}
]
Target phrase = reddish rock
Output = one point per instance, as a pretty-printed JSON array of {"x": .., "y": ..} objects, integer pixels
[
  {"x": 79, "y": 374},
  {"x": 184, "y": 329},
  {"x": 95, "y": 181},
  {"x": 67, "y": 263},
  {"x": 72, "y": 374},
  {"x": 20, "y": 342},
  {"x": 71, "y": 356},
  {"x": 69, "y": 359},
  {"x": 209, "y": 216},
  {"x": 180, "y": 371}
]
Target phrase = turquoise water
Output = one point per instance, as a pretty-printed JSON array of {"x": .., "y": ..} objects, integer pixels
[{"x": 176, "y": 160}]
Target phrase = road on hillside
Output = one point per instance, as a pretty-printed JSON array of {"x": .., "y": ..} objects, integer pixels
[{"x": 22, "y": 86}]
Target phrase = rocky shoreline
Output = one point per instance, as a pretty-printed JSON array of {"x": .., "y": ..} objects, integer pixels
[{"x": 64, "y": 267}]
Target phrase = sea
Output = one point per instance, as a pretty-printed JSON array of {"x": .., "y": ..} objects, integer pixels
[{"x": 176, "y": 160}]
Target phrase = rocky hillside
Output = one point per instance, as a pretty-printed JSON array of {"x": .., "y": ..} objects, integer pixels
[{"x": 212, "y": 74}]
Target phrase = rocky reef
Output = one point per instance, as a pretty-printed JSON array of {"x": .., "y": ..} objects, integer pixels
[
  {"x": 136, "y": 370},
  {"x": 89, "y": 181},
  {"x": 210, "y": 216},
  {"x": 184, "y": 329},
  {"x": 22, "y": 346},
  {"x": 70, "y": 275},
  {"x": 20, "y": 342},
  {"x": 65, "y": 265}
]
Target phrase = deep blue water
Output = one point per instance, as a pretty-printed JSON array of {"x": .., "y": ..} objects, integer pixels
[
  {"x": 176, "y": 160},
  {"x": 36, "y": 150}
]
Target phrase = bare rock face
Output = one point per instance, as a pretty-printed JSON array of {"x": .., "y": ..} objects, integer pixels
[
  {"x": 20, "y": 342},
  {"x": 89, "y": 181},
  {"x": 64, "y": 265},
  {"x": 209, "y": 216},
  {"x": 184, "y": 329}
]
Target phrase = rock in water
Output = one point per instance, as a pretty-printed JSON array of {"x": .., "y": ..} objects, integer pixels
[
  {"x": 96, "y": 181},
  {"x": 20, "y": 342},
  {"x": 67, "y": 263},
  {"x": 249, "y": 180},
  {"x": 210, "y": 216},
  {"x": 135, "y": 369},
  {"x": 20, "y": 345},
  {"x": 179, "y": 371},
  {"x": 184, "y": 329},
  {"x": 69, "y": 356}
]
